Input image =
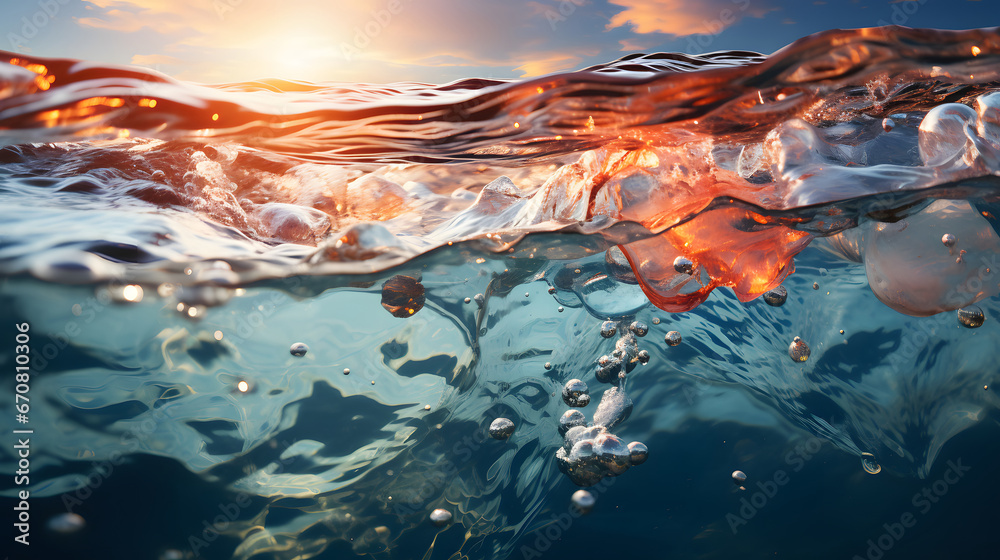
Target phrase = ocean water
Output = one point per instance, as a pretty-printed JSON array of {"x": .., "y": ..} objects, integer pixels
[{"x": 276, "y": 320}]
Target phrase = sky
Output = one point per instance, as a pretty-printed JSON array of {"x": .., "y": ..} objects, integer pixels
[{"x": 433, "y": 41}]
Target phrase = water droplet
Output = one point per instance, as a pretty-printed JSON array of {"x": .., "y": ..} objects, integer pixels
[
  {"x": 673, "y": 338},
  {"x": 949, "y": 240},
  {"x": 637, "y": 453},
  {"x": 869, "y": 463},
  {"x": 560, "y": 309},
  {"x": 683, "y": 265},
  {"x": 552, "y": 289},
  {"x": 347, "y": 371},
  {"x": 608, "y": 329},
  {"x": 427, "y": 407},
  {"x": 815, "y": 285},
  {"x": 576, "y": 393},
  {"x": 639, "y": 328},
  {"x": 468, "y": 300},
  {"x": 739, "y": 477},
  {"x": 242, "y": 386},
  {"x": 971, "y": 317},
  {"x": 798, "y": 350},
  {"x": 656, "y": 320},
  {"x": 776, "y": 297},
  {"x": 440, "y": 517},
  {"x": 299, "y": 349},
  {"x": 642, "y": 356},
  {"x": 583, "y": 501},
  {"x": 526, "y": 294},
  {"x": 548, "y": 365},
  {"x": 501, "y": 428}
]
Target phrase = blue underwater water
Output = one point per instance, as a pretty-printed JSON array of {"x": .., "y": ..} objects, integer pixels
[{"x": 241, "y": 347}]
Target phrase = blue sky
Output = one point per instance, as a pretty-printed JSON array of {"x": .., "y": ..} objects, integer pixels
[{"x": 433, "y": 41}]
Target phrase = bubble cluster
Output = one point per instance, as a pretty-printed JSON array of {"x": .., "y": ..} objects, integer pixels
[
  {"x": 798, "y": 350},
  {"x": 591, "y": 454},
  {"x": 298, "y": 349},
  {"x": 576, "y": 393},
  {"x": 501, "y": 428},
  {"x": 776, "y": 297},
  {"x": 971, "y": 317}
]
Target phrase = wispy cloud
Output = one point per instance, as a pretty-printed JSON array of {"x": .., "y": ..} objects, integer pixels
[{"x": 682, "y": 17}]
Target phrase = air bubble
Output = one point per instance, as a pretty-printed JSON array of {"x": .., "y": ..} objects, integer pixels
[
  {"x": 576, "y": 393},
  {"x": 683, "y": 265},
  {"x": 971, "y": 317},
  {"x": 949, "y": 240},
  {"x": 776, "y": 297},
  {"x": 739, "y": 477},
  {"x": 869, "y": 463},
  {"x": 642, "y": 356},
  {"x": 299, "y": 349},
  {"x": 66, "y": 523},
  {"x": 798, "y": 350},
  {"x": 608, "y": 329},
  {"x": 639, "y": 328},
  {"x": 501, "y": 428},
  {"x": 673, "y": 338},
  {"x": 637, "y": 453},
  {"x": 440, "y": 517},
  {"x": 583, "y": 501},
  {"x": 570, "y": 419}
]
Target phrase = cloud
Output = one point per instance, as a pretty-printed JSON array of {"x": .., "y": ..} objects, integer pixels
[
  {"x": 153, "y": 60},
  {"x": 682, "y": 17}
]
